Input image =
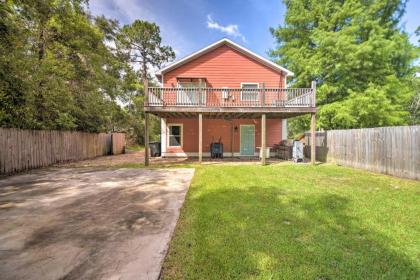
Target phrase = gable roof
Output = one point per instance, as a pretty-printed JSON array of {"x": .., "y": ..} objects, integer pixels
[{"x": 231, "y": 44}]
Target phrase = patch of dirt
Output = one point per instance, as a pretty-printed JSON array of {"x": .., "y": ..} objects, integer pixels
[
  {"x": 130, "y": 157},
  {"x": 137, "y": 157}
]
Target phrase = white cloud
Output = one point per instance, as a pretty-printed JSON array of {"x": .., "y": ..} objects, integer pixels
[
  {"x": 231, "y": 29},
  {"x": 126, "y": 11}
]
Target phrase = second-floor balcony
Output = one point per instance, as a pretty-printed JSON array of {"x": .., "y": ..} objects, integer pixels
[{"x": 230, "y": 97}]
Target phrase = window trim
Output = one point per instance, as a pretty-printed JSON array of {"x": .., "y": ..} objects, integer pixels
[
  {"x": 191, "y": 85},
  {"x": 249, "y": 83},
  {"x": 203, "y": 83},
  {"x": 169, "y": 134}
]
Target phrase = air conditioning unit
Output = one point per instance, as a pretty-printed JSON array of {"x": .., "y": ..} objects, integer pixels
[{"x": 297, "y": 151}]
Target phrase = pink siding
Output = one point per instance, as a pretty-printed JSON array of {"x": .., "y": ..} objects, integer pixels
[
  {"x": 225, "y": 67},
  {"x": 215, "y": 128}
]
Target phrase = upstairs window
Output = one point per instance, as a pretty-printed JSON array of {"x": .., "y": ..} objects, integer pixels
[
  {"x": 191, "y": 93},
  {"x": 249, "y": 92},
  {"x": 175, "y": 135}
]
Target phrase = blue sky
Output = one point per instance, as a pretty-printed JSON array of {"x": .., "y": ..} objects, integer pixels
[{"x": 188, "y": 25}]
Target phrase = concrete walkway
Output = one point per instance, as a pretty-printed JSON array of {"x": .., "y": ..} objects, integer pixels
[{"x": 89, "y": 223}]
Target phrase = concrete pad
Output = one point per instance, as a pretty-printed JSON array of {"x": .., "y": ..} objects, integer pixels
[{"x": 86, "y": 223}]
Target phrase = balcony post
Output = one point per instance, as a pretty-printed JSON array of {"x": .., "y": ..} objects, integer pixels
[
  {"x": 263, "y": 95},
  {"x": 146, "y": 124},
  {"x": 200, "y": 137},
  {"x": 200, "y": 92},
  {"x": 313, "y": 124},
  {"x": 313, "y": 138},
  {"x": 263, "y": 139}
]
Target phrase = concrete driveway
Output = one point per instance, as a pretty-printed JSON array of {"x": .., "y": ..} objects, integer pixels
[{"x": 87, "y": 223}]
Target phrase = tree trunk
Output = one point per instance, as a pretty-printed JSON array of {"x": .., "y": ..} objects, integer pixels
[
  {"x": 39, "y": 101},
  {"x": 41, "y": 42}
]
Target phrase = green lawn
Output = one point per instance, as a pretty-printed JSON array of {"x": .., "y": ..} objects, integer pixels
[
  {"x": 135, "y": 148},
  {"x": 296, "y": 222}
]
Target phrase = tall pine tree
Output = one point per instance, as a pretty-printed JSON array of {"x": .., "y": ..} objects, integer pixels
[{"x": 359, "y": 56}]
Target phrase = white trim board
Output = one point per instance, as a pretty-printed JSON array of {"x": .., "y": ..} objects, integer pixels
[
  {"x": 233, "y": 45},
  {"x": 284, "y": 129},
  {"x": 163, "y": 133},
  {"x": 250, "y": 83},
  {"x": 181, "y": 135}
]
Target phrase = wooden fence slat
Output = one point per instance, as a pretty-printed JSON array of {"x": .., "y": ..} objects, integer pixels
[
  {"x": 389, "y": 150},
  {"x": 26, "y": 149}
]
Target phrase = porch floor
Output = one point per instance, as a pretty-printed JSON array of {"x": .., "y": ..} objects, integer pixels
[{"x": 136, "y": 158}]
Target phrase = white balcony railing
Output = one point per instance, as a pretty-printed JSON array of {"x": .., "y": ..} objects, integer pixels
[{"x": 230, "y": 97}]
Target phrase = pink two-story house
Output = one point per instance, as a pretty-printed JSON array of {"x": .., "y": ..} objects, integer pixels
[{"x": 225, "y": 93}]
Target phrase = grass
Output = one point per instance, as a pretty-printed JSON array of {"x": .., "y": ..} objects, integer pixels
[
  {"x": 135, "y": 148},
  {"x": 296, "y": 222}
]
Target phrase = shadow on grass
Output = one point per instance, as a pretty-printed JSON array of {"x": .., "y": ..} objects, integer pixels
[{"x": 274, "y": 233}]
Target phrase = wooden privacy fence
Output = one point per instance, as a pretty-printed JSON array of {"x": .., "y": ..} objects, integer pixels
[
  {"x": 389, "y": 150},
  {"x": 118, "y": 143},
  {"x": 26, "y": 149}
]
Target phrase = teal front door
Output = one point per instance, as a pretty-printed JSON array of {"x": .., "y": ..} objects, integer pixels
[{"x": 247, "y": 140}]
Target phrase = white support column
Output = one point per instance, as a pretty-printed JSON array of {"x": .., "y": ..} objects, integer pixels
[
  {"x": 163, "y": 136},
  {"x": 200, "y": 138},
  {"x": 284, "y": 129},
  {"x": 313, "y": 137},
  {"x": 146, "y": 124},
  {"x": 263, "y": 139},
  {"x": 313, "y": 124}
]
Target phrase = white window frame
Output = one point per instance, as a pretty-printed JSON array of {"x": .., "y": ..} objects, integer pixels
[
  {"x": 169, "y": 134},
  {"x": 249, "y": 83},
  {"x": 187, "y": 84}
]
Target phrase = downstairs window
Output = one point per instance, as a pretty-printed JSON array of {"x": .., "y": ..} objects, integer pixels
[{"x": 175, "y": 135}]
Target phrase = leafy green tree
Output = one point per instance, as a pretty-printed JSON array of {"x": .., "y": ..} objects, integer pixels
[
  {"x": 355, "y": 51},
  {"x": 141, "y": 44},
  {"x": 57, "y": 71},
  {"x": 14, "y": 68},
  {"x": 62, "y": 68},
  {"x": 415, "y": 103}
]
